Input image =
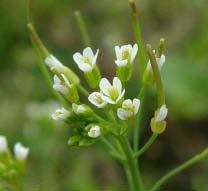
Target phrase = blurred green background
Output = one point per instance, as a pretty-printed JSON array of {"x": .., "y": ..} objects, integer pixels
[{"x": 26, "y": 104}]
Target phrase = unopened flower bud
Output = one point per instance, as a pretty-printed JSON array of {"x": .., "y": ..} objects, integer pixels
[
  {"x": 62, "y": 85},
  {"x": 81, "y": 109},
  {"x": 61, "y": 114},
  {"x": 94, "y": 132},
  {"x": 158, "y": 123}
]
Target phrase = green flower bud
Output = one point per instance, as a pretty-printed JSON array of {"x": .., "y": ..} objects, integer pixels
[
  {"x": 158, "y": 127},
  {"x": 62, "y": 85}
]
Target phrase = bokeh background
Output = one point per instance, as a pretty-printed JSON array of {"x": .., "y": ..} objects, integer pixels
[{"x": 25, "y": 102}]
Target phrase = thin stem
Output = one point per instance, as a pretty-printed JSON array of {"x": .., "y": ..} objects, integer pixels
[
  {"x": 147, "y": 145},
  {"x": 197, "y": 158},
  {"x": 137, "y": 125},
  {"x": 157, "y": 76},
  {"x": 83, "y": 90},
  {"x": 83, "y": 29},
  {"x": 138, "y": 36},
  {"x": 131, "y": 164},
  {"x": 113, "y": 151}
]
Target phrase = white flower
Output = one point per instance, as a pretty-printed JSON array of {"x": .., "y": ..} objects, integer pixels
[
  {"x": 86, "y": 61},
  {"x": 160, "y": 62},
  {"x": 60, "y": 114},
  {"x": 125, "y": 54},
  {"x": 61, "y": 84},
  {"x": 112, "y": 93},
  {"x": 3, "y": 144},
  {"x": 129, "y": 109},
  {"x": 79, "y": 109},
  {"x": 96, "y": 98},
  {"x": 161, "y": 113},
  {"x": 94, "y": 132},
  {"x": 20, "y": 151},
  {"x": 52, "y": 62}
]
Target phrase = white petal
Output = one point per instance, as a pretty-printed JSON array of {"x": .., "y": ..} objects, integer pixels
[
  {"x": 93, "y": 99},
  {"x": 161, "y": 61},
  {"x": 20, "y": 151},
  {"x": 94, "y": 132},
  {"x": 126, "y": 47},
  {"x": 109, "y": 100},
  {"x": 3, "y": 144},
  {"x": 52, "y": 61},
  {"x": 117, "y": 84},
  {"x": 85, "y": 67},
  {"x": 126, "y": 102},
  {"x": 136, "y": 103},
  {"x": 78, "y": 58},
  {"x": 120, "y": 96},
  {"x": 94, "y": 60},
  {"x": 66, "y": 81},
  {"x": 121, "y": 62},
  {"x": 60, "y": 114},
  {"x": 123, "y": 114},
  {"x": 161, "y": 114},
  {"x": 60, "y": 88},
  {"x": 87, "y": 52},
  {"x": 56, "y": 80},
  {"x": 118, "y": 52},
  {"x": 104, "y": 86},
  {"x": 134, "y": 52}
]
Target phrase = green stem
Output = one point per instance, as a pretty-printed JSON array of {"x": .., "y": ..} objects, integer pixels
[
  {"x": 137, "y": 125},
  {"x": 112, "y": 150},
  {"x": 197, "y": 158},
  {"x": 130, "y": 164},
  {"x": 83, "y": 90},
  {"x": 157, "y": 76},
  {"x": 147, "y": 145},
  {"x": 138, "y": 36},
  {"x": 83, "y": 29}
]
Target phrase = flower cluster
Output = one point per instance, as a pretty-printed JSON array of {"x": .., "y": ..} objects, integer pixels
[
  {"x": 113, "y": 113},
  {"x": 88, "y": 125},
  {"x": 108, "y": 98},
  {"x": 12, "y": 167}
]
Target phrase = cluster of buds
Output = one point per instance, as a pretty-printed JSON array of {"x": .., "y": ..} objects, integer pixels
[
  {"x": 12, "y": 166},
  {"x": 113, "y": 112}
]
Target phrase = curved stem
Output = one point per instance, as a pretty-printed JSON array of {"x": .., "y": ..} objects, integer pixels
[
  {"x": 157, "y": 76},
  {"x": 147, "y": 145},
  {"x": 197, "y": 158}
]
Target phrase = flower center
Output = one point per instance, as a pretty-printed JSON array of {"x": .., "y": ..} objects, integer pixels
[
  {"x": 86, "y": 60},
  {"x": 128, "y": 107},
  {"x": 125, "y": 54},
  {"x": 98, "y": 98},
  {"x": 113, "y": 93}
]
